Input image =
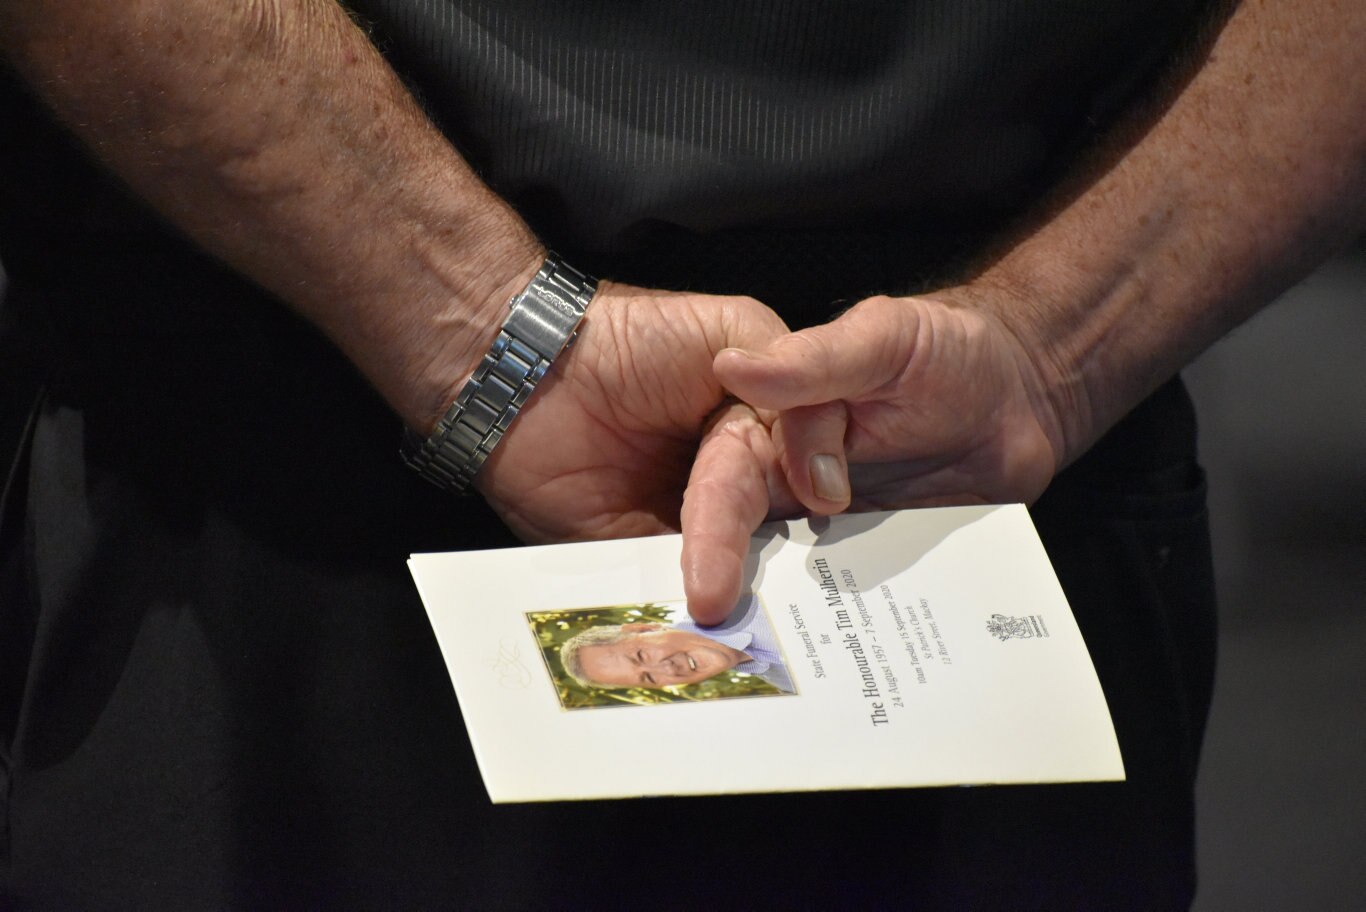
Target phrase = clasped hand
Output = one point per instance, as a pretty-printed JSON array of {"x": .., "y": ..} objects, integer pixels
[{"x": 704, "y": 413}]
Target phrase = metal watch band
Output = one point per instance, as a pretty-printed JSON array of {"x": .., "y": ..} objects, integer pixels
[{"x": 544, "y": 319}]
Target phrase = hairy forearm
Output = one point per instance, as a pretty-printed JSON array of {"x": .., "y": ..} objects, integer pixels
[
  {"x": 1255, "y": 173},
  {"x": 274, "y": 135}
]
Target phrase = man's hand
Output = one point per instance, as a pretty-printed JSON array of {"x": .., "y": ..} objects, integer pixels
[
  {"x": 914, "y": 401},
  {"x": 605, "y": 447},
  {"x": 1209, "y": 203}
]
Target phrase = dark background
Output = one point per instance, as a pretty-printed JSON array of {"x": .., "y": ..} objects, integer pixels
[{"x": 1282, "y": 793}]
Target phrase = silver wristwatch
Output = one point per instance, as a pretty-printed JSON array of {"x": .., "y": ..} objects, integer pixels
[{"x": 543, "y": 321}]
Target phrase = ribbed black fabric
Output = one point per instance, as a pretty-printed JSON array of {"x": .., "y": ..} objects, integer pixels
[
  {"x": 716, "y": 146},
  {"x": 668, "y": 132}
]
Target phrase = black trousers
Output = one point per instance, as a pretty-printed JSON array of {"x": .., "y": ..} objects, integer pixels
[{"x": 224, "y": 692}]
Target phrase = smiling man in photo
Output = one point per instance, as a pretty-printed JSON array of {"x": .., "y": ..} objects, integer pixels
[{"x": 658, "y": 655}]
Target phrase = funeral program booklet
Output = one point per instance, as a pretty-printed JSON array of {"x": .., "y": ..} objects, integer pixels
[{"x": 877, "y": 650}]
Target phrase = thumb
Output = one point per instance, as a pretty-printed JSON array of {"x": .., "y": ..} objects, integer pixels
[{"x": 848, "y": 358}]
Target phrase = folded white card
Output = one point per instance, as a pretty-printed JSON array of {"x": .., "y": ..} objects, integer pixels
[{"x": 916, "y": 648}]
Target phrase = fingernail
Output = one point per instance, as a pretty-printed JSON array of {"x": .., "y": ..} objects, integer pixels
[
  {"x": 828, "y": 479},
  {"x": 740, "y": 352}
]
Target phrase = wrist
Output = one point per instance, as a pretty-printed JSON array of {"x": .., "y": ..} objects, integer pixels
[
  {"x": 542, "y": 320},
  {"x": 1055, "y": 385},
  {"x": 1103, "y": 325},
  {"x": 443, "y": 349}
]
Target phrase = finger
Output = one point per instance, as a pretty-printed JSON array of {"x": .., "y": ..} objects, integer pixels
[
  {"x": 848, "y": 358},
  {"x": 810, "y": 443},
  {"x": 726, "y": 500}
]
